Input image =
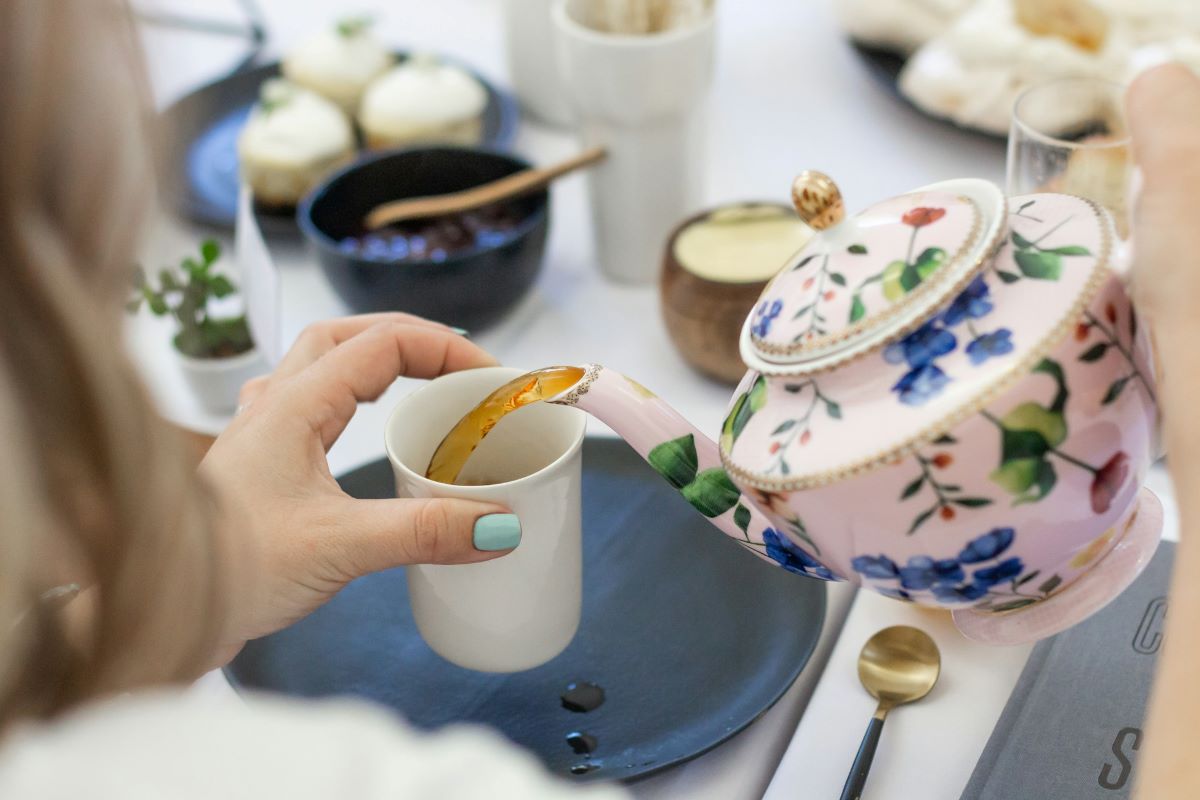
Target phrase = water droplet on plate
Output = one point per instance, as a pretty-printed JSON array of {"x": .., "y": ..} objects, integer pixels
[
  {"x": 582, "y": 697},
  {"x": 582, "y": 743}
]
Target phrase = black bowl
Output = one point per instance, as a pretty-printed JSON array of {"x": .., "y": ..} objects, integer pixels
[{"x": 470, "y": 288}]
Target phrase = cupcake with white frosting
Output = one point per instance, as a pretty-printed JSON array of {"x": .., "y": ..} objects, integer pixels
[
  {"x": 423, "y": 101},
  {"x": 339, "y": 63},
  {"x": 292, "y": 139}
]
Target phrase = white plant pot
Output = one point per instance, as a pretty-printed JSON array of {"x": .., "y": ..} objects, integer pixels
[{"x": 217, "y": 381}]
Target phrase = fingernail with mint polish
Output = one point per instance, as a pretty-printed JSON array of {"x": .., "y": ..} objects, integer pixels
[
  {"x": 497, "y": 532},
  {"x": 463, "y": 332}
]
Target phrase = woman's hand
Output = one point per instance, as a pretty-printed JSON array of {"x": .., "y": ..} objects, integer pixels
[
  {"x": 1164, "y": 117},
  {"x": 291, "y": 538},
  {"x": 1164, "y": 113}
]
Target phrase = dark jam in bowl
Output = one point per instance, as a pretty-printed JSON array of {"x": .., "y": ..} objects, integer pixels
[
  {"x": 467, "y": 270},
  {"x": 436, "y": 238}
]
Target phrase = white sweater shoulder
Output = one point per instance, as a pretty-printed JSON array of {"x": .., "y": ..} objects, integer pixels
[{"x": 191, "y": 746}]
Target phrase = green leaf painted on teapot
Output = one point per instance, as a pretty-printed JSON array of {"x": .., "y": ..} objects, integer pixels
[
  {"x": 930, "y": 260},
  {"x": 743, "y": 409},
  {"x": 1013, "y": 605},
  {"x": 1028, "y": 479},
  {"x": 731, "y": 422},
  {"x": 1015, "y": 476},
  {"x": 1114, "y": 390},
  {"x": 1031, "y": 435},
  {"x": 1021, "y": 444},
  {"x": 857, "y": 309},
  {"x": 758, "y": 394},
  {"x": 1035, "y": 261},
  {"x": 901, "y": 277},
  {"x": 1039, "y": 264},
  {"x": 1032, "y": 417},
  {"x": 1048, "y": 366},
  {"x": 913, "y": 488},
  {"x": 1112, "y": 341},
  {"x": 676, "y": 460},
  {"x": 712, "y": 493},
  {"x": 1050, "y": 584},
  {"x": 741, "y": 518},
  {"x": 893, "y": 289},
  {"x": 945, "y": 498}
]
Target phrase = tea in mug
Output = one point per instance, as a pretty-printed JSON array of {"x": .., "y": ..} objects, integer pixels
[{"x": 452, "y": 454}]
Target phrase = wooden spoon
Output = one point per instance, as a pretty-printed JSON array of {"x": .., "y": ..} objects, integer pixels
[{"x": 515, "y": 185}]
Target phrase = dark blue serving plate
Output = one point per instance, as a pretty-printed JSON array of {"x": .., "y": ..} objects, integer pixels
[
  {"x": 690, "y": 637},
  {"x": 201, "y": 168}
]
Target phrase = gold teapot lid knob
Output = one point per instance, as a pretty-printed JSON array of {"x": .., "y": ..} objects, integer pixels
[{"x": 817, "y": 199}]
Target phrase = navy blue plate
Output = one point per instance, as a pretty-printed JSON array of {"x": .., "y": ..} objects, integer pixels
[
  {"x": 690, "y": 637},
  {"x": 202, "y": 165}
]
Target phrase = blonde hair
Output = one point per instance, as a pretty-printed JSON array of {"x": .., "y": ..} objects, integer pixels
[{"x": 94, "y": 486}]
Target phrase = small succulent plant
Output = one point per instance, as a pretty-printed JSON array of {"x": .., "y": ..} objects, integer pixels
[
  {"x": 354, "y": 26},
  {"x": 184, "y": 294}
]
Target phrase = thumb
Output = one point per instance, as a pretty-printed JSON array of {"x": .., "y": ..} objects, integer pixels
[
  {"x": 375, "y": 535},
  {"x": 1164, "y": 114}
]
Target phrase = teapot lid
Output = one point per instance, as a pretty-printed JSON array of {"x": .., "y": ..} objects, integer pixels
[
  {"x": 998, "y": 306},
  {"x": 865, "y": 281}
]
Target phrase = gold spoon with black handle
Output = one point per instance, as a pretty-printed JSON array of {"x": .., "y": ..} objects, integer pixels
[{"x": 897, "y": 665}]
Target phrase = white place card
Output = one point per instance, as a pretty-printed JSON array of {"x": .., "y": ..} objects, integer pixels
[{"x": 260, "y": 281}]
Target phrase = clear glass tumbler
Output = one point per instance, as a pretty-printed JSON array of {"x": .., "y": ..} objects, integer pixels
[{"x": 1070, "y": 135}]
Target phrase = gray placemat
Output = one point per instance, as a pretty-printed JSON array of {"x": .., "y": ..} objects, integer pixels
[{"x": 1073, "y": 726}]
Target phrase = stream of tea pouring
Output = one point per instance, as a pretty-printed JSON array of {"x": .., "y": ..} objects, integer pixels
[
  {"x": 454, "y": 451},
  {"x": 677, "y": 450}
]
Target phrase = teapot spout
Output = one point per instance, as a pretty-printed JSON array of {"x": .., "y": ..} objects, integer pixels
[{"x": 682, "y": 455}]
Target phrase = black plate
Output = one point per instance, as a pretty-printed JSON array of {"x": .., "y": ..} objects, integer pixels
[
  {"x": 202, "y": 164},
  {"x": 690, "y": 637},
  {"x": 885, "y": 66}
]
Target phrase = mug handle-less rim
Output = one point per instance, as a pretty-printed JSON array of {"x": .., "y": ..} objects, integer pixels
[{"x": 469, "y": 492}]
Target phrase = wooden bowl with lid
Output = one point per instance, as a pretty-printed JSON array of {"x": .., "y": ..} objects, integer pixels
[{"x": 715, "y": 267}]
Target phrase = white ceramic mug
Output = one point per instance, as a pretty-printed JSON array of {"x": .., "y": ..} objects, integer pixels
[
  {"x": 532, "y": 68},
  {"x": 642, "y": 97},
  {"x": 522, "y": 609}
]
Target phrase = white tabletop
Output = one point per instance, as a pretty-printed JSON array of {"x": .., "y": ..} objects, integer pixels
[{"x": 789, "y": 95}]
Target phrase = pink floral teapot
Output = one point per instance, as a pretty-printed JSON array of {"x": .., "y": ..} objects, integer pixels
[{"x": 949, "y": 400}]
